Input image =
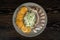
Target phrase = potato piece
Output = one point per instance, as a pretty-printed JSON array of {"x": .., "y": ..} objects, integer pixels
[
  {"x": 20, "y": 15},
  {"x": 23, "y": 29},
  {"x": 26, "y": 29},
  {"x": 19, "y": 19},
  {"x": 23, "y": 10},
  {"x": 19, "y": 24}
]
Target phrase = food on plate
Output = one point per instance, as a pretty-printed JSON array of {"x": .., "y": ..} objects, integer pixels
[{"x": 27, "y": 19}]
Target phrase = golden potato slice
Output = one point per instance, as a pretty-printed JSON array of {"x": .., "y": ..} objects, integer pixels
[
  {"x": 23, "y": 29},
  {"x": 26, "y": 29},
  {"x": 20, "y": 15},
  {"x": 19, "y": 19},
  {"x": 19, "y": 24},
  {"x": 23, "y": 10}
]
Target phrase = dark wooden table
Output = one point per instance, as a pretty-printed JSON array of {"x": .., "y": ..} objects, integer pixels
[{"x": 52, "y": 31}]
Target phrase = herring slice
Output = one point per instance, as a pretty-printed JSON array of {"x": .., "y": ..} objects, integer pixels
[{"x": 34, "y": 31}]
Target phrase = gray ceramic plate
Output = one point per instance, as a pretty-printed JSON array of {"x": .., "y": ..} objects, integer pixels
[{"x": 42, "y": 20}]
